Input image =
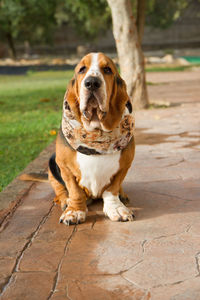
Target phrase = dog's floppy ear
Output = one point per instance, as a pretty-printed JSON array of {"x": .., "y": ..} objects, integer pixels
[
  {"x": 121, "y": 98},
  {"x": 71, "y": 104},
  {"x": 118, "y": 100}
]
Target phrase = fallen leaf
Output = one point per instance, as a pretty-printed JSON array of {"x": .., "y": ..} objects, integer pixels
[
  {"x": 53, "y": 132},
  {"x": 45, "y": 100}
]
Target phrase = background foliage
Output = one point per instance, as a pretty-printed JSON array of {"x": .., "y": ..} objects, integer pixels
[{"x": 36, "y": 21}]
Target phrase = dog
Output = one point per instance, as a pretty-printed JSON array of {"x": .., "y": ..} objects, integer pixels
[{"x": 95, "y": 145}]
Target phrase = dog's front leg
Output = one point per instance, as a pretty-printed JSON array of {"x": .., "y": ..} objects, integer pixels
[
  {"x": 75, "y": 212},
  {"x": 113, "y": 207}
]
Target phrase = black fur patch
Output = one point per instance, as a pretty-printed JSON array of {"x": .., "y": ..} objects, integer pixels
[
  {"x": 87, "y": 151},
  {"x": 119, "y": 81},
  {"x": 129, "y": 106},
  {"x": 55, "y": 170},
  {"x": 67, "y": 106},
  {"x": 73, "y": 81}
]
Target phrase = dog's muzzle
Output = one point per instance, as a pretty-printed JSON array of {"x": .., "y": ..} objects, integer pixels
[
  {"x": 92, "y": 110},
  {"x": 92, "y": 83}
]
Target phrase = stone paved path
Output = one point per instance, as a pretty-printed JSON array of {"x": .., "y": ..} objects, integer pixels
[{"x": 155, "y": 257}]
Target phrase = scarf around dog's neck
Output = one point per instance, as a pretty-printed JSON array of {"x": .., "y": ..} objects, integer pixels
[{"x": 96, "y": 141}]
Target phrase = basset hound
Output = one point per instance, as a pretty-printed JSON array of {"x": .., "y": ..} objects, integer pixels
[{"x": 95, "y": 145}]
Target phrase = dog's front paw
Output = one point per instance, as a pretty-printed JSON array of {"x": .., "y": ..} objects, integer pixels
[
  {"x": 70, "y": 216},
  {"x": 120, "y": 213},
  {"x": 115, "y": 209}
]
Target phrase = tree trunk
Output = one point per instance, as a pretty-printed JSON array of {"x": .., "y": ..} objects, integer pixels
[
  {"x": 130, "y": 55},
  {"x": 11, "y": 45},
  {"x": 140, "y": 20}
]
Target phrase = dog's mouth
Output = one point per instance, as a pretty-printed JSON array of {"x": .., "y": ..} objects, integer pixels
[{"x": 93, "y": 111}]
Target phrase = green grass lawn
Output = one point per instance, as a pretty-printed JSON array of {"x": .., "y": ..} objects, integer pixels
[{"x": 30, "y": 107}]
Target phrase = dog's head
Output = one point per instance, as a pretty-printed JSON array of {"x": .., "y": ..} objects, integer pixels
[{"x": 97, "y": 94}]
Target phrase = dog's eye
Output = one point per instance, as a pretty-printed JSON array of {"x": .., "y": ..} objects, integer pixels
[
  {"x": 82, "y": 70},
  {"x": 107, "y": 70}
]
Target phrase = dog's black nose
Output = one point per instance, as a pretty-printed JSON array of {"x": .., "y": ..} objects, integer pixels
[{"x": 92, "y": 83}]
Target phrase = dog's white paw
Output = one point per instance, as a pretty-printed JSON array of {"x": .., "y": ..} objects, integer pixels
[
  {"x": 70, "y": 217},
  {"x": 120, "y": 213},
  {"x": 115, "y": 209}
]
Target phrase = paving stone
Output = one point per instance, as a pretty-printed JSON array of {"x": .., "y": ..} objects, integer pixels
[
  {"x": 186, "y": 290},
  {"x": 29, "y": 286},
  {"x": 6, "y": 266},
  {"x": 173, "y": 256},
  {"x": 112, "y": 255},
  {"x": 194, "y": 229},
  {"x": 42, "y": 257},
  {"x": 180, "y": 189},
  {"x": 26, "y": 219},
  {"x": 181, "y": 87},
  {"x": 19, "y": 230},
  {"x": 162, "y": 77},
  {"x": 100, "y": 288},
  {"x": 47, "y": 249}
]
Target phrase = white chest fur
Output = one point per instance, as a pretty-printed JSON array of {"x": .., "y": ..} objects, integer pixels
[{"x": 97, "y": 170}]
